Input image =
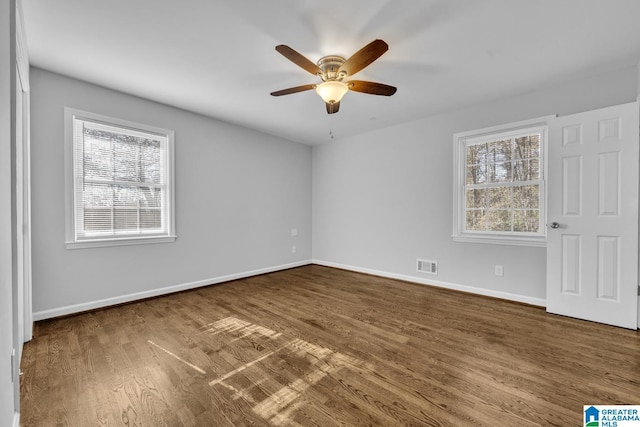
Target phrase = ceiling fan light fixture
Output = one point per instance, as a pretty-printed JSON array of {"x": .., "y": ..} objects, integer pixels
[
  {"x": 332, "y": 91},
  {"x": 332, "y": 69}
]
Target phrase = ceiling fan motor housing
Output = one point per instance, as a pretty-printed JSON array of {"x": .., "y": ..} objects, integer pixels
[{"x": 329, "y": 66}]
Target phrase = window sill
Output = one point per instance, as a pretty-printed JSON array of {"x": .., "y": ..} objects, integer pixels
[
  {"x": 99, "y": 243},
  {"x": 502, "y": 240}
]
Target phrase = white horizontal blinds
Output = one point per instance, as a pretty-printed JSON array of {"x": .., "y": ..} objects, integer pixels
[
  {"x": 120, "y": 179},
  {"x": 502, "y": 184}
]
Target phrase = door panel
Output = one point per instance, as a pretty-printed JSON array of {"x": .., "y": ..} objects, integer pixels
[
  {"x": 571, "y": 181},
  {"x": 592, "y": 254},
  {"x": 571, "y": 256}
]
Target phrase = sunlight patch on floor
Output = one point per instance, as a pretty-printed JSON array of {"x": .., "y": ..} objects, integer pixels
[
  {"x": 232, "y": 324},
  {"x": 175, "y": 356},
  {"x": 280, "y": 405}
]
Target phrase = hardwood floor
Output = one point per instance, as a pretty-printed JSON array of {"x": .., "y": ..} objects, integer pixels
[{"x": 320, "y": 346}]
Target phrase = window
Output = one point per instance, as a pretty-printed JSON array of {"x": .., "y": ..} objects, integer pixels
[
  {"x": 119, "y": 182},
  {"x": 499, "y": 185}
]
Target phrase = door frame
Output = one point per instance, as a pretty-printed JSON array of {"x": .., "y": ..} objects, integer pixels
[
  {"x": 22, "y": 313},
  {"x": 23, "y": 174},
  {"x": 638, "y": 100}
]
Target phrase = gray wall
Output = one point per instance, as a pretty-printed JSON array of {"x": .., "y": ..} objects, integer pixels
[
  {"x": 378, "y": 201},
  {"x": 383, "y": 199},
  {"x": 238, "y": 194}
]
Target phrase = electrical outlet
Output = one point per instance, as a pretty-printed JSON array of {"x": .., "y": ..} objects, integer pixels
[
  {"x": 499, "y": 270},
  {"x": 294, "y": 231},
  {"x": 293, "y": 249}
]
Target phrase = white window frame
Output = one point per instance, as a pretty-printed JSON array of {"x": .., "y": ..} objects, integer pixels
[
  {"x": 72, "y": 240},
  {"x": 460, "y": 140}
]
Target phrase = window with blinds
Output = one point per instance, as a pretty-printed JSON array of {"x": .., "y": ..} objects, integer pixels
[
  {"x": 500, "y": 185},
  {"x": 121, "y": 181}
]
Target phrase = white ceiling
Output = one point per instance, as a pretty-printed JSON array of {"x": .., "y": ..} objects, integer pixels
[{"x": 217, "y": 57}]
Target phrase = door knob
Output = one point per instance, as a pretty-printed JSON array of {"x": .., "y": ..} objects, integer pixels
[{"x": 554, "y": 225}]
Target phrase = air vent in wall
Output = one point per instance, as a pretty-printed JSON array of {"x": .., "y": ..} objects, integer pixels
[{"x": 426, "y": 266}]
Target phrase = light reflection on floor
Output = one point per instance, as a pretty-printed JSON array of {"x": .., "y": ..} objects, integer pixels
[
  {"x": 175, "y": 356},
  {"x": 280, "y": 405}
]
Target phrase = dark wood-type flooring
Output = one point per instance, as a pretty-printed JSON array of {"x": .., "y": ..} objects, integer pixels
[{"x": 316, "y": 346}]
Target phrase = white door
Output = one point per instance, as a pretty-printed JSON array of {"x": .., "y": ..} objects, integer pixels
[{"x": 592, "y": 246}]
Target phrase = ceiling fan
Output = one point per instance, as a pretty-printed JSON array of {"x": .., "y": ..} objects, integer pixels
[{"x": 333, "y": 70}]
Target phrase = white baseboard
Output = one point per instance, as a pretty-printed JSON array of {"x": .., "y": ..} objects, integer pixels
[
  {"x": 430, "y": 282},
  {"x": 92, "y": 305},
  {"x": 16, "y": 419}
]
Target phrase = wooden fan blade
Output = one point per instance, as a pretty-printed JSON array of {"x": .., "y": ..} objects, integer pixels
[
  {"x": 298, "y": 59},
  {"x": 371, "y": 87},
  {"x": 364, "y": 57},
  {"x": 293, "y": 90},
  {"x": 332, "y": 108}
]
